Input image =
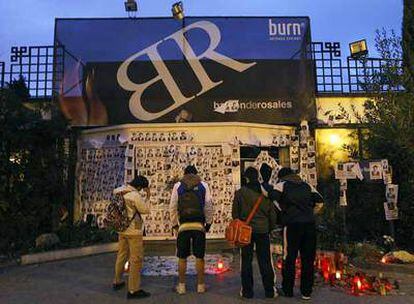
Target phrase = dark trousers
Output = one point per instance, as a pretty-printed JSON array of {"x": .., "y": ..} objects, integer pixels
[
  {"x": 299, "y": 237},
  {"x": 262, "y": 242}
]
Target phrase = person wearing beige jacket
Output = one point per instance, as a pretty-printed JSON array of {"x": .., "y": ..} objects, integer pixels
[{"x": 130, "y": 243}]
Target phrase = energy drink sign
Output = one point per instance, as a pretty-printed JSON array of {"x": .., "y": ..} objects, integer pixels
[{"x": 200, "y": 69}]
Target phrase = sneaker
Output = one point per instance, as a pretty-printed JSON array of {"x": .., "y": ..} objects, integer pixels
[
  {"x": 306, "y": 298},
  {"x": 282, "y": 293},
  {"x": 140, "y": 294},
  {"x": 118, "y": 286},
  {"x": 201, "y": 288},
  {"x": 180, "y": 289}
]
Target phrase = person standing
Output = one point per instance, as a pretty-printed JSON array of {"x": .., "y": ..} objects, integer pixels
[
  {"x": 191, "y": 211},
  {"x": 262, "y": 223},
  {"x": 130, "y": 243},
  {"x": 299, "y": 201}
]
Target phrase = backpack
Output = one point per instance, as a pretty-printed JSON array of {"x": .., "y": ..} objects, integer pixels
[
  {"x": 116, "y": 216},
  {"x": 238, "y": 232},
  {"x": 191, "y": 203}
]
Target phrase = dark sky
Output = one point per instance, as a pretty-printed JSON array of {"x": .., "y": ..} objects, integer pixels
[{"x": 31, "y": 22}]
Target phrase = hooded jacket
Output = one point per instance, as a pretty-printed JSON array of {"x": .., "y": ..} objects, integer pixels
[
  {"x": 135, "y": 207},
  {"x": 296, "y": 198},
  {"x": 189, "y": 181},
  {"x": 244, "y": 199}
]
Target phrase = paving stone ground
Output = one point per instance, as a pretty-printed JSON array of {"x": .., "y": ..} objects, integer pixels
[{"x": 87, "y": 280}]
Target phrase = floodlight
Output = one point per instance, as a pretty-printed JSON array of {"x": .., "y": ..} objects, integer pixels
[
  {"x": 178, "y": 10},
  {"x": 131, "y": 6},
  {"x": 358, "y": 48}
]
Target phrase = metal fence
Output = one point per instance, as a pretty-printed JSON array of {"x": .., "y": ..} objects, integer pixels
[{"x": 42, "y": 68}]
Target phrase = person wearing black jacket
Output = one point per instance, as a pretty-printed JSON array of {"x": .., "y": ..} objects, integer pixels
[
  {"x": 299, "y": 202},
  {"x": 262, "y": 223}
]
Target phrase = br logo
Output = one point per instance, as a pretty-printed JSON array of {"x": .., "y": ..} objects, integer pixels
[{"x": 164, "y": 75}]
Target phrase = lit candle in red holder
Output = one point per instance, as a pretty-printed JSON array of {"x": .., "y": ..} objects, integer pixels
[
  {"x": 388, "y": 286},
  {"x": 325, "y": 276},
  {"x": 220, "y": 265},
  {"x": 356, "y": 285},
  {"x": 325, "y": 269}
]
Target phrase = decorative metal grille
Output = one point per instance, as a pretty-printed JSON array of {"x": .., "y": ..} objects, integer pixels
[
  {"x": 328, "y": 67},
  {"x": 38, "y": 65},
  {"x": 364, "y": 75},
  {"x": 373, "y": 75}
]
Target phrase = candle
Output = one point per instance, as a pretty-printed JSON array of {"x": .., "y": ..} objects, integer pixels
[
  {"x": 338, "y": 275},
  {"x": 356, "y": 288}
]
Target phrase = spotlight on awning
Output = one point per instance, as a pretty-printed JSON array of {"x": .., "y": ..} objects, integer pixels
[
  {"x": 131, "y": 6},
  {"x": 178, "y": 10},
  {"x": 358, "y": 48}
]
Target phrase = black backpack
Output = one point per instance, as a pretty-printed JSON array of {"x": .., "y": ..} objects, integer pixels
[{"x": 191, "y": 203}]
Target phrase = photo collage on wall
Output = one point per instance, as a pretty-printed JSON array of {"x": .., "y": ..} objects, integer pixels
[
  {"x": 294, "y": 153},
  {"x": 162, "y": 157},
  {"x": 291, "y": 141},
  {"x": 302, "y": 152},
  {"x": 391, "y": 192},
  {"x": 307, "y": 154},
  {"x": 343, "y": 172},
  {"x": 99, "y": 171},
  {"x": 376, "y": 170}
]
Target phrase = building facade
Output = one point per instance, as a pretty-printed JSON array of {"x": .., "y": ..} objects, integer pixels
[{"x": 150, "y": 96}]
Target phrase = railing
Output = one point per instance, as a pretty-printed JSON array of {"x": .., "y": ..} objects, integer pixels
[{"x": 42, "y": 67}]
